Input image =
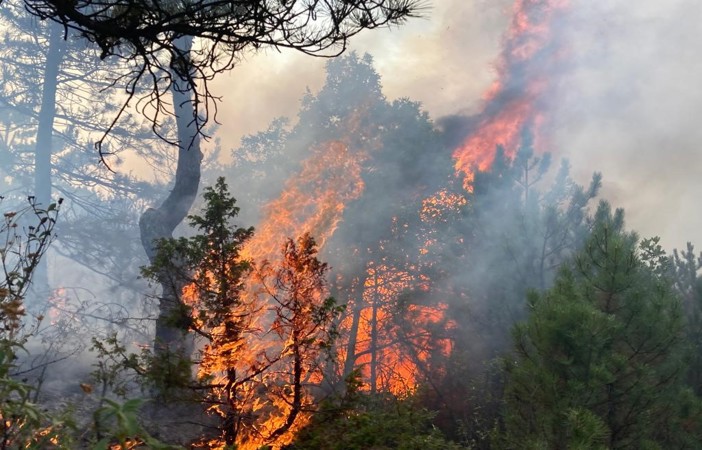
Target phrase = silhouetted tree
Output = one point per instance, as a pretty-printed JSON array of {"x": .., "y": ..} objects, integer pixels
[
  {"x": 520, "y": 224},
  {"x": 402, "y": 164},
  {"x": 685, "y": 268},
  {"x": 156, "y": 33},
  {"x": 47, "y": 126},
  {"x": 155, "y": 37}
]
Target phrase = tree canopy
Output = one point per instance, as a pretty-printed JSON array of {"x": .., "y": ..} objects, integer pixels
[
  {"x": 154, "y": 36},
  {"x": 599, "y": 362}
]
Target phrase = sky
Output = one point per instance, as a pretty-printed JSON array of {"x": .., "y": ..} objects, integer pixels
[{"x": 626, "y": 101}]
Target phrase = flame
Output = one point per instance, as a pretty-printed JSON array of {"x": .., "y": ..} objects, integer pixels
[
  {"x": 394, "y": 344},
  {"x": 438, "y": 207},
  {"x": 516, "y": 98},
  {"x": 394, "y": 338},
  {"x": 392, "y": 355},
  {"x": 58, "y": 303},
  {"x": 312, "y": 202}
]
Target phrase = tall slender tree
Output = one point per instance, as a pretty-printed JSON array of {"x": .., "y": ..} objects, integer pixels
[{"x": 49, "y": 78}]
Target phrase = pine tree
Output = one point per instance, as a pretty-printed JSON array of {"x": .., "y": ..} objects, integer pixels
[
  {"x": 263, "y": 328},
  {"x": 598, "y": 364}
]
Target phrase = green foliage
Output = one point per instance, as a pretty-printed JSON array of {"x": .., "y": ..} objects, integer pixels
[
  {"x": 359, "y": 421},
  {"x": 259, "y": 350},
  {"x": 124, "y": 427},
  {"x": 22, "y": 423},
  {"x": 598, "y": 362},
  {"x": 523, "y": 219},
  {"x": 20, "y": 252},
  {"x": 117, "y": 370},
  {"x": 209, "y": 261},
  {"x": 522, "y": 230},
  {"x": 111, "y": 364},
  {"x": 684, "y": 270}
]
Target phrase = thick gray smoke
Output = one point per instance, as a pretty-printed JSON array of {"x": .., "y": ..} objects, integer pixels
[
  {"x": 629, "y": 109},
  {"x": 626, "y": 105}
]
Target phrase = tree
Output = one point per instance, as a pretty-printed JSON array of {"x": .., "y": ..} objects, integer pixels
[
  {"x": 154, "y": 36},
  {"x": 398, "y": 166},
  {"x": 211, "y": 255},
  {"x": 51, "y": 91},
  {"x": 23, "y": 423},
  {"x": 521, "y": 230},
  {"x": 685, "y": 269},
  {"x": 359, "y": 420},
  {"x": 264, "y": 335},
  {"x": 269, "y": 404},
  {"x": 150, "y": 34},
  {"x": 521, "y": 221},
  {"x": 19, "y": 257},
  {"x": 598, "y": 363},
  {"x": 156, "y": 42}
]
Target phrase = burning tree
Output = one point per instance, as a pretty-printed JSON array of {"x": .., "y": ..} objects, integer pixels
[
  {"x": 371, "y": 165},
  {"x": 291, "y": 363},
  {"x": 181, "y": 47},
  {"x": 263, "y": 328},
  {"x": 528, "y": 66},
  {"x": 177, "y": 48}
]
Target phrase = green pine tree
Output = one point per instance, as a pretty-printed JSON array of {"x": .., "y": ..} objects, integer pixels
[{"x": 599, "y": 362}]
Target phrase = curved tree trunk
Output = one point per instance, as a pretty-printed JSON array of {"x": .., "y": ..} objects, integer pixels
[{"x": 160, "y": 222}]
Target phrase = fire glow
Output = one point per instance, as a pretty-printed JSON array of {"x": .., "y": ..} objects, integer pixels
[
  {"x": 387, "y": 341},
  {"x": 514, "y": 101}
]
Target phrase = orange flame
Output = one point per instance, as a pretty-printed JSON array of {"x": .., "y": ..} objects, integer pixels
[
  {"x": 392, "y": 350},
  {"x": 58, "y": 301},
  {"x": 312, "y": 202},
  {"x": 394, "y": 344},
  {"x": 515, "y": 99}
]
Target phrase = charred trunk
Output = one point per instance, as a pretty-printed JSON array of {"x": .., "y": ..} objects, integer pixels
[
  {"x": 374, "y": 337},
  {"x": 350, "y": 362}
]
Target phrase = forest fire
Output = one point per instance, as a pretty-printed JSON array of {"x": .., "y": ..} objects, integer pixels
[
  {"x": 312, "y": 201},
  {"x": 374, "y": 335},
  {"x": 514, "y": 101},
  {"x": 393, "y": 346},
  {"x": 366, "y": 255},
  {"x": 57, "y": 305},
  {"x": 395, "y": 329},
  {"x": 262, "y": 355}
]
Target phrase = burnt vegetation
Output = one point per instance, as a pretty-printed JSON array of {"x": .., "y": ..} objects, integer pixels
[{"x": 365, "y": 289}]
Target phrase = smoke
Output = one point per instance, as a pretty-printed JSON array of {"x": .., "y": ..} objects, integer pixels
[
  {"x": 608, "y": 87},
  {"x": 629, "y": 109},
  {"x": 624, "y": 102}
]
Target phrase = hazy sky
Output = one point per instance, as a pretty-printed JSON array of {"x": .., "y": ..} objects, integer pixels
[{"x": 628, "y": 102}]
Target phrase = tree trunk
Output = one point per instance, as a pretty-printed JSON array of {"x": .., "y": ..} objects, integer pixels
[
  {"x": 160, "y": 222},
  {"x": 350, "y": 362},
  {"x": 43, "y": 149},
  {"x": 374, "y": 336}
]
